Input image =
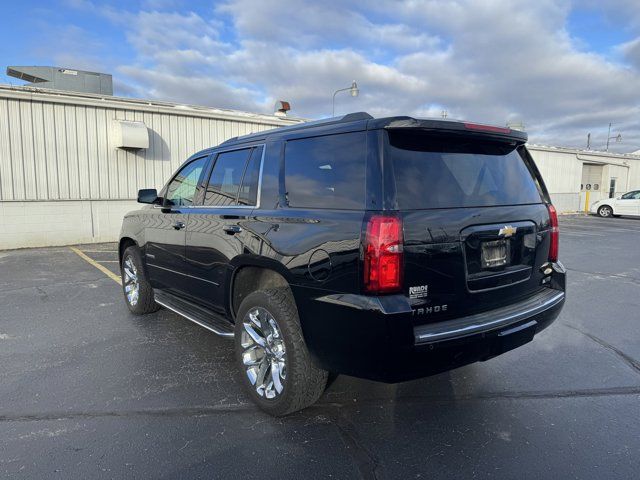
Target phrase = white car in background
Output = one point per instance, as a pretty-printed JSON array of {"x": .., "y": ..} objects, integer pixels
[{"x": 627, "y": 204}]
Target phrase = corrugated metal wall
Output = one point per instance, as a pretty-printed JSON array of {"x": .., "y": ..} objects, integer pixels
[
  {"x": 562, "y": 170},
  {"x": 50, "y": 150}
]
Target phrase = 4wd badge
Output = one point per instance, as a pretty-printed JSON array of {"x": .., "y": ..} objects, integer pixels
[{"x": 419, "y": 291}]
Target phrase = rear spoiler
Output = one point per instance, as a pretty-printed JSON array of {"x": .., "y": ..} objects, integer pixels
[{"x": 495, "y": 133}]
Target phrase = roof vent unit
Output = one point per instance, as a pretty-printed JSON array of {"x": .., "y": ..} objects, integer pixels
[
  {"x": 130, "y": 135},
  {"x": 281, "y": 108},
  {"x": 64, "y": 79}
]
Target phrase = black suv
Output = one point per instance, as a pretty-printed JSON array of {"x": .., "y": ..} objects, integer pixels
[{"x": 388, "y": 249}]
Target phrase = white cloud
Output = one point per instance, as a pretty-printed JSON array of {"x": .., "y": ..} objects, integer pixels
[{"x": 489, "y": 61}]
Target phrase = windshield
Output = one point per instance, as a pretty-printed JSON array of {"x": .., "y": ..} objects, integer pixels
[{"x": 448, "y": 172}]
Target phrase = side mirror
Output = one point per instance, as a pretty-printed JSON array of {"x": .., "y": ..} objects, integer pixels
[{"x": 148, "y": 195}]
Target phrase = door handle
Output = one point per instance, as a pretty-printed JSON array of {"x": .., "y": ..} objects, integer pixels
[
  {"x": 179, "y": 225},
  {"x": 232, "y": 229}
]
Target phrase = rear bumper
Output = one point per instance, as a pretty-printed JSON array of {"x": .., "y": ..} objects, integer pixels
[{"x": 374, "y": 337}]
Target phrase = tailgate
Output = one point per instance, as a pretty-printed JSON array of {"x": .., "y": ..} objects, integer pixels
[{"x": 457, "y": 262}]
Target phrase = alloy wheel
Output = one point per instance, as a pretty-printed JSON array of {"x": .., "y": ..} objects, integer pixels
[
  {"x": 264, "y": 355},
  {"x": 605, "y": 211},
  {"x": 131, "y": 284}
]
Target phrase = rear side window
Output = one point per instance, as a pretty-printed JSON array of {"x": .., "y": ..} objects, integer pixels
[
  {"x": 326, "y": 172},
  {"x": 225, "y": 179},
  {"x": 249, "y": 189},
  {"x": 447, "y": 172}
]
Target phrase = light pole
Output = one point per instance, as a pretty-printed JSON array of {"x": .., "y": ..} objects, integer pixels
[
  {"x": 609, "y": 137},
  {"x": 353, "y": 89}
]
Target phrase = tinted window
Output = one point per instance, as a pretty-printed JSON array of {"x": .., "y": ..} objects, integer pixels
[
  {"x": 249, "y": 189},
  {"x": 445, "y": 172},
  {"x": 326, "y": 172},
  {"x": 225, "y": 178},
  {"x": 631, "y": 196},
  {"x": 182, "y": 189}
]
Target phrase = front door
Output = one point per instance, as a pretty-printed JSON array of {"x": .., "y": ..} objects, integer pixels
[
  {"x": 217, "y": 229},
  {"x": 165, "y": 231},
  {"x": 628, "y": 204}
]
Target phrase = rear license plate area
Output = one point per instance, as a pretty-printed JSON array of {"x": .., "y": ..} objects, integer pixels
[{"x": 494, "y": 253}]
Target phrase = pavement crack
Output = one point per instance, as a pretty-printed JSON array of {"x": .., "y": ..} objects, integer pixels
[
  {"x": 347, "y": 429},
  {"x": 490, "y": 396},
  {"x": 154, "y": 412},
  {"x": 43, "y": 295},
  {"x": 365, "y": 461},
  {"x": 608, "y": 275},
  {"x": 632, "y": 362},
  {"x": 40, "y": 288}
]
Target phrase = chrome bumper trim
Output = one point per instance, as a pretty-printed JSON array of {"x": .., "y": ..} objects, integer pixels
[{"x": 487, "y": 321}]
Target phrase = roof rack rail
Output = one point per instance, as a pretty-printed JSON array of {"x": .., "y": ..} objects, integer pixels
[{"x": 349, "y": 117}]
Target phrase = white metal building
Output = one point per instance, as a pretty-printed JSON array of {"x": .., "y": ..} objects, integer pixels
[
  {"x": 578, "y": 178},
  {"x": 71, "y": 164}
]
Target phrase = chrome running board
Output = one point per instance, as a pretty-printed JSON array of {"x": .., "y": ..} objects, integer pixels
[{"x": 195, "y": 313}]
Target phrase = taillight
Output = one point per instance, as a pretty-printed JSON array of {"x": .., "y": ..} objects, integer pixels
[
  {"x": 555, "y": 234},
  {"x": 383, "y": 254}
]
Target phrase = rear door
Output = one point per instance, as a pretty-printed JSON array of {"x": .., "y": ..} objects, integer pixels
[
  {"x": 475, "y": 225},
  {"x": 217, "y": 230}
]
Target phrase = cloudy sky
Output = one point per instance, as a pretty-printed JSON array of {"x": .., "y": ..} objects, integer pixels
[{"x": 563, "y": 68}]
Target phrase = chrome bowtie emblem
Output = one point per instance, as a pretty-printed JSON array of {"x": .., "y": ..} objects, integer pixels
[{"x": 507, "y": 231}]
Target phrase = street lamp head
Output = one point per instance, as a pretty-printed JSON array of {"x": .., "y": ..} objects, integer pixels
[
  {"x": 619, "y": 138},
  {"x": 354, "y": 89}
]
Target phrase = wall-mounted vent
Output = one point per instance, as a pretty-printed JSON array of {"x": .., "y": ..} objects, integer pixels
[{"x": 130, "y": 135}]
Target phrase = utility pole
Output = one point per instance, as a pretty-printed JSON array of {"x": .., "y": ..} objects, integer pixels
[
  {"x": 588, "y": 141},
  {"x": 609, "y": 137}
]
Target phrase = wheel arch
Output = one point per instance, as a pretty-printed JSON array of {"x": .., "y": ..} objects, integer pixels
[
  {"x": 250, "y": 275},
  {"x": 125, "y": 242}
]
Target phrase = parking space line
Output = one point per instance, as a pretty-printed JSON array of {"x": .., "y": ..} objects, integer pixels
[
  {"x": 102, "y": 268},
  {"x": 99, "y": 251}
]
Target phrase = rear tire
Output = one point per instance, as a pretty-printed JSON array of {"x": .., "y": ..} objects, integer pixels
[
  {"x": 275, "y": 366},
  {"x": 138, "y": 294},
  {"x": 605, "y": 211}
]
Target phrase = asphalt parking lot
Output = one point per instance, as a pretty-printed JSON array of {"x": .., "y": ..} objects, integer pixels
[{"x": 88, "y": 390}]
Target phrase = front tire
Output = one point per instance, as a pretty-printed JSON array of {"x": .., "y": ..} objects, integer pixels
[
  {"x": 605, "y": 211},
  {"x": 275, "y": 366},
  {"x": 138, "y": 294}
]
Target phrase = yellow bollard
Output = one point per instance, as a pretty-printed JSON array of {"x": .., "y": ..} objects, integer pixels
[{"x": 586, "y": 201}]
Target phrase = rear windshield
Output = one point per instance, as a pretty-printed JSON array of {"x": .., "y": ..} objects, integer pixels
[{"x": 449, "y": 172}]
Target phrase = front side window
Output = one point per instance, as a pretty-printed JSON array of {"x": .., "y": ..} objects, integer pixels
[
  {"x": 631, "y": 196},
  {"x": 182, "y": 189},
  {"x": 326, "y": 172},
  {"x": 226, "y": 177}
]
